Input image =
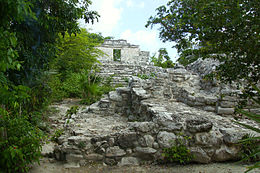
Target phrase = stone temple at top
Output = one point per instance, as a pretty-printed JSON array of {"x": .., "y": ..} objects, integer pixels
[{"x": 121, "y": 51}]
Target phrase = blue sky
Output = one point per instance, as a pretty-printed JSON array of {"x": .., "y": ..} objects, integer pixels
[{"x": 126, "y": 19}]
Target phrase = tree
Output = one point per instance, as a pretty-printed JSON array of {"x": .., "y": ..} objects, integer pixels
[
  {"x": 77, "y": 52},
  {"x": 76, "y": 58},
  {"x": 222, "y": 29},
  {"x": 163, "y": 60},
  {"x": 28, "y": 31}
]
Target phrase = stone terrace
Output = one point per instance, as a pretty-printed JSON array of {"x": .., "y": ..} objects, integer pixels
[{"x": 135, "y": 123}]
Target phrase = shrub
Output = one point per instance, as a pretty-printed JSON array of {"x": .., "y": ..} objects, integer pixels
[
  {"x": 249, "y": 149},
  {"x": 56, "y": 135},
  {"x": 178, "y": 152},
  {"x": 20, "y": 143},
  {"x": 71, "y": 111}
]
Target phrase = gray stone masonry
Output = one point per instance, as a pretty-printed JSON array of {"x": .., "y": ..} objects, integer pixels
[
  {"x": 130, "y": 54},
  {"x": 136, "y": 122}
]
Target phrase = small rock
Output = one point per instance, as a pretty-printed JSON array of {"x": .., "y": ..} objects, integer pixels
[
  {"x": 73, "y": 157},
  {"x": 225, "y": 111},
  {"x": 145, "y": 150},
  {"x": 146, "y": 141},
  {"x": 115, "y": 152},
  {"x": 94, "y": 157},
  {"x": 200, "y": 156},
  {"x": 114, "y": 96},
  {"x": 110, "y": 161},
  {"x": 126, "y": 161},
  {"x": 143, "y": 126},
  {"x": 198, "y": 125},
  {"x": 226, "y": 153},
  {"x": 166, "y": 139},
  {"x": 127, "y": 140}
]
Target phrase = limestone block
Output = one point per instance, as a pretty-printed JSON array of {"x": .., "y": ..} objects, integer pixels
[
  {"x": 171, "y": 126},
  {"x": 180, "y": 71},
  {"x": 200, "y": 99},
  {"x": 191, "y": 98},
  {"x": 74, "y": 157},
  {"x": 115, "y": 152},
  {"x": 146, "y": 141},
  {"x": 198, "y": 125},
  {"x": 114, "y": 96},
  {"x": 123, "y": 90},
  {"x": 94, "y": 157},
  {"x": 76, "y": 139},
  {"x": 211, "y": 100},
  {"x": 229, "y": 98},
  {"x": 198, "y": 104},
  {"x": 200, "y": 156},
  {"x": 145, "y": 153},
  {"x": 225, "y": 111},
  {"x": 231, "y": 136},
  {"x": 226, "y": 153},
  {"x": 127, "y": 140},
  {"x": 141, "y": 93},
  {"x": 162, "y": 117},
  {"x": 126, "y": 161},
  {"x": 227, "y": 104},
  {"x": 212, "y": 139},
  {"x": 155, "y": 145},
  {"x": 166, "y": 139},
  {"x": 210, "y": 108},
  {"x": 145, "y": 150},
  {"x": 104, "y": 103}
]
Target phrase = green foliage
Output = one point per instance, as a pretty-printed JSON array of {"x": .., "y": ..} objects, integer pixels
[
  {"x": 163, "y": 60},
  {"x": 117, "y": 55},
  {"x": 249, "y": 149},
  {"x": 28, "y": 32},
  {"x": 250, "y": 144},
  {"x": 222, "y": 29},
  {"x": 146, "y": 76},
  {"x": 19, "y": 143},
  {"x": 71, "y": 111},
  {"x": 75, "y": 67},
  {"x": 57, "y": 134},
  {"x": 143, "y": 76},
  {"x": 178, "y": 152},
  {"x": 82, "y": 145},
  {"x": 77, "y": 52},
  {"x": 94, "y": 89}
]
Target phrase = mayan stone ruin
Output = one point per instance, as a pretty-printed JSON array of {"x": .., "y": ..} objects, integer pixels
[
  {"x": 127, "y": 53},
  {"x": 137, "y": 121}
]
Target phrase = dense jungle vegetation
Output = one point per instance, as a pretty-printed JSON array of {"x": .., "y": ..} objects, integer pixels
[
  {"x": 35, "y": 37},
  {"x": 45, "y": 57}
]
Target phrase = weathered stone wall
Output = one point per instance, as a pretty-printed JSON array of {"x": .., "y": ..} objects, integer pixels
[
  {"x": 184, "y": 86},
  {"x": 158, "y": 109},
  {"x": 130, "y": 54},
  {"x": 154, "y": 123}
]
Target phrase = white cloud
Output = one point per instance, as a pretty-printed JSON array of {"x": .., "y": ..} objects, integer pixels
[
  {"x": 129, "y": 3},
  {"x": 132, "y": 4},
  {"x": 110, "y": 15},
  {"x": 141, "y": 5},
  {"x": 147, "y": 39}
]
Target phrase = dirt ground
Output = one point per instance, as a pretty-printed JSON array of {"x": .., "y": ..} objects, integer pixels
[{"x": 58, "y": 167}]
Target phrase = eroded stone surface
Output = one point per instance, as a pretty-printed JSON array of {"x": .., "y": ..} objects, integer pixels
[{"x": 173, "y": 104}]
